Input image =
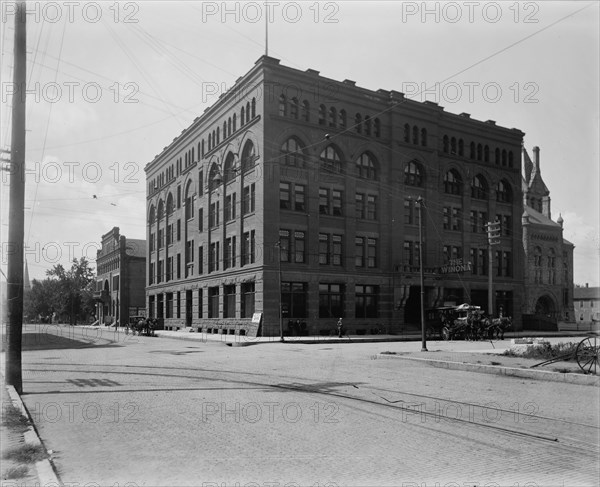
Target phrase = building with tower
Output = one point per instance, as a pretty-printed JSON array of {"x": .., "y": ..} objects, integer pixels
[{"x": 548, "y": 296}]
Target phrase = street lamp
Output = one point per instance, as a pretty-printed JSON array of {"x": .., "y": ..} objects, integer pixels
[
  {"x": 278, "y": 245},
  {"x": 423, "y": 338}
]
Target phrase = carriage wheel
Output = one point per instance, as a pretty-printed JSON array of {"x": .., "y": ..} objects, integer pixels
[
  {"x": 586, "y": 355},
  {"x": 446, "y": 333}
]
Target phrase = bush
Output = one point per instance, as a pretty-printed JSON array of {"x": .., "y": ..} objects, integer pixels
[{"x": 546, "y": 351}]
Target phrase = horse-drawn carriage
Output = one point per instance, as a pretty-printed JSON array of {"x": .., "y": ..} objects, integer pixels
[
  {"x": 141, "y": 325},
  {"x": 465, "y": 322}
]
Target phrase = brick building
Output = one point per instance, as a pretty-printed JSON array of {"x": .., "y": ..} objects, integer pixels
[
  {"x": 121, "y": 278},
  {"x": 548, "y": 256},
  {"x": 298, "y": 190}
]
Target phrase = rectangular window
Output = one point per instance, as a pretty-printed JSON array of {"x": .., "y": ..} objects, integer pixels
[
  {"x": 331, "y": 301},
  {"x": 360, "y": 206},
  {"x": 446, "y": 218},
  {"x": 229, "y": 260},
  {"x": 229, "y": 301},
  {"x": 284, "y": 245},
  {"x": 213, "y": 214},
  {"x": 371, "y": 252},
  {"x": 213, "y": 302},
  {"x": 323, "y": 201},
  {"x": 366, "y": 299},
  {"x": 248, "y": 248},
  {"x": 200, "y": 259},
  {"x": 285, "y": 196},
  {"x": 179, "y": 230},
  {"x": 507, "y": 264},
  {"x": 200, "y": 183},
  {"x": 178, "y": 304},
  {"x": 169, "y": 305},
  {"x": 299, "y": 247},
  {"x": 359, "y": 252},
  {"x": 247, "y": 300},
  {"x": 294, "y": 299},
  {"x": 213, "y": 257},
  {"x": 299, "y": 197},
  {"x": 323, "y": 249},
  {"x": 200, "y": 221},
  {"x": 336, "y": 202},
  {"x": 409, "y": 209},
  {"x": 249, "y": 198},
  {"x": 169, "y": 275},
  {"x": 200, "y": 303},
  {"x": 371, "y": 207},
  {"x": 337, "y": 249},
  {"x": 456, "y": 219},
  {"x": 230, "y": 202}
]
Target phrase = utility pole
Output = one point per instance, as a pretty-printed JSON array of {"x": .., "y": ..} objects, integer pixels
[
  {"x": 278, "y": 246},
  {"x": 420, "y": 204},
  {"x": 493, "y": 232},
  {"x": 16, "y": 230}
]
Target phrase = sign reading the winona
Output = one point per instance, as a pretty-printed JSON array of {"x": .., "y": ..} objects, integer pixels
[{"x": 456, "y": 265}]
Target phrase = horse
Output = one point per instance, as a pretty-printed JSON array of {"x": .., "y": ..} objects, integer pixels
[{"x": 500, "y": 325}]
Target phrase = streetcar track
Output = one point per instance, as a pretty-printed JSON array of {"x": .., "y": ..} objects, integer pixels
[{"x": 583, "y": 446}]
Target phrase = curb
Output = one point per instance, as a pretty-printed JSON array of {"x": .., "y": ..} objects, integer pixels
[
  {"x": 579, "y": 379},
  {"x": 45, "y": 470}
]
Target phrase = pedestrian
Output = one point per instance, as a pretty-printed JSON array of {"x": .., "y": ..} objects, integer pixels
[{"x": 339, "y": 327}]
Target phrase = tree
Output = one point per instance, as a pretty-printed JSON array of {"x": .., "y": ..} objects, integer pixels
[
  {"x": 75, "y": 290},
  {"x": 40, "y": 301}
]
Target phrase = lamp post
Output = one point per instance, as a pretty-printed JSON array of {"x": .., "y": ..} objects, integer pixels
[
  {"x": 422, "y": 279},
  {"x": 278, "y": 246}
]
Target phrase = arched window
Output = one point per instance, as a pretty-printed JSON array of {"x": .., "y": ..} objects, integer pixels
[
  {"x": 242, "y": 117},
  {"x": 152, "y": 215},
  {"x": 537, "y": 265},
  {"x": 479, "y": 152},
  {"x": 366, "y": 166},
  {"x": 358, "y": 123},
  {"x": 367, "y": 125},
  {"x": 292, "y": 151},
  {"x": 343, "y": 119},
  {"x": 247, "y": 112},
  {"x": 486, "y": 153},
  {"x": 407, "y": 133},
  {"x": 452, "y": 182},
  {"x": 218, "y": 136},
  {"x": 453, "y": 145},
  {"x": 377, "y": 126},
  {"x": 229, "y": 126},
  {"x": 322, "y": 114},
  {"x": 479, "y": 188},
  {"x": 234, "y": 122},
  {"x": 510, "y": 159},
  {"x": 415, "y": 137},
  {"x": 282, "y": 105},
  {"x": 461, "y": 147},
  {"x": 472, "y": 150},
  {"x": 203, "y": 148},
  {"x": 503, "y": 192},
  {"x": 332, "y": 116},
  {"x": 229, "y": 170},
  {"x": 413, "y": 174},
  {"x": 214, "y": 178},
  {"x": 497, "y": 156},
  {"x": 253, "y": 107},
  {"x": 424, "y": 137},
  {"x": 445, "y": 144},
  {"x": 294, "y": 108},
  {"x": 504, "y": 157},
  {"x": 170, "y": 207},
  {"x": 248, "y": 156},
  {"x": 224, "y": 130},
  {"x": 161, "y": 210},
  {"x": 306, "y": 111},
  {"x": 551, "y": 266},
  {"x": 331, "y": 160},
  {"x": 189, "y": 201}
]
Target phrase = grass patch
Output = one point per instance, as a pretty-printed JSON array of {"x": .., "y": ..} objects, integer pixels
[
  {"x": 545, "y": 351},
  {"x": 12, "y": 417},
  {"x": 15, "y": 472},
  {"x": 25, "y": 454}
]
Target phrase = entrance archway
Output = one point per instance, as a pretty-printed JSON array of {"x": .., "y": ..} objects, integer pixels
[{"x": 545, "y": 308}]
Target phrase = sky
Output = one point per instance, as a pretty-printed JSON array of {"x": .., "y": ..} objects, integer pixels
[{"x": 110, "y": 84}]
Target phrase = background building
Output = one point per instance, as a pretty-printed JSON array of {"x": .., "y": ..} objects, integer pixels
[
  {"x": 587, "y": 305},
  {"x": 121, "y": 278},
  {"x": 548, "y": 256},
  {"x": 299, "y": 190}
]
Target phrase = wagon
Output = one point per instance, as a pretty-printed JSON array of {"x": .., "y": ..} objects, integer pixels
[{"x": 585, "y": 354}]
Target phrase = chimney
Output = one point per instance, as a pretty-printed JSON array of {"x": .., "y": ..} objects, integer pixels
[
  {"x": 536, "y": 157},
  {"x": 586, "y": 284}
]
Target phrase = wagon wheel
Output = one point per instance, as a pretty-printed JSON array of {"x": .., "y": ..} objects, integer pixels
[
  {"x": 446, "y": 333},
  {"x": 586, "y": 355}
]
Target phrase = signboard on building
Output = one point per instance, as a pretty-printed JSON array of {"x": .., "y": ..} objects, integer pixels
[{"x": 456, "y": 266}]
